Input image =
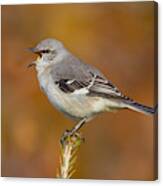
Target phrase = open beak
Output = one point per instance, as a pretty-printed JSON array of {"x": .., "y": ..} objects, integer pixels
[{"x": 35, "y": 51}]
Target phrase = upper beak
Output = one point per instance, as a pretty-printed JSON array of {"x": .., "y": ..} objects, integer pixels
[{"x": 34, "y": 50}]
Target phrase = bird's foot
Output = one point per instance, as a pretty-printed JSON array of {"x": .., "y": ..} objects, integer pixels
[
  {"x": 72, "y": 136},
  {"x": 65, "y": 136}
]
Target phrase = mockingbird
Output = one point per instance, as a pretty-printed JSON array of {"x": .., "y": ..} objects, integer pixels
[{"x": 77, "y": 89}]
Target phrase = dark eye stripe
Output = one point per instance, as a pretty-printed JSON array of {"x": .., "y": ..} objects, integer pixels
[{"x": 45, "y": 51}]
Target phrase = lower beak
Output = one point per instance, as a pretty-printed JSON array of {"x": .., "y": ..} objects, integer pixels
[{"x": 31, "y": 64}]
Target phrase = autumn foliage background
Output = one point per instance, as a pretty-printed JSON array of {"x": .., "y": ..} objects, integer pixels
[{"x": 117, "y": 38}]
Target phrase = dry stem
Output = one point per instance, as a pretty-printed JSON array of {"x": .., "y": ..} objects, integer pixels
[{"x": 68, "y": 156}]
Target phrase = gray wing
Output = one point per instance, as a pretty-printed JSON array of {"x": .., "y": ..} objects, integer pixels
[{"x": 71, "y": 74}]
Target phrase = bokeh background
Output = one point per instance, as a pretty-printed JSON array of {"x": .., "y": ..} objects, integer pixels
[{"x": 117, "y": 38}]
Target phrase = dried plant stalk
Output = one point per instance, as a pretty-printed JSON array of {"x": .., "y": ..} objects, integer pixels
[{"x": 68, "y": 155}]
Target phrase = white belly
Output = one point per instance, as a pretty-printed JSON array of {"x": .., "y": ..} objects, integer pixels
[{"x": 76, "y": 106}]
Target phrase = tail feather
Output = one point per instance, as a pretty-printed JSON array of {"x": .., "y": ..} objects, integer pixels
[{"x": 141, "y": 108}]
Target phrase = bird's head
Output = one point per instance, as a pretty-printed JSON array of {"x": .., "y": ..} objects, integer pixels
[{"x": 46, "y": 50}]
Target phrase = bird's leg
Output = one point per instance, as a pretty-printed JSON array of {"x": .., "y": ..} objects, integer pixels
[
  {"x": 77, "y": 126},
  {"x": 71, "y": 132}
]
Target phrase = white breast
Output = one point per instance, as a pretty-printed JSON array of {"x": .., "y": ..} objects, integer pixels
[
  {"x": 73, "y": 105},
  {"x": 77, "y": 104}
]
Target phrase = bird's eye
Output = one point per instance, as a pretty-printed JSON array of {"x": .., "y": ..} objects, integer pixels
[{"x": 45, "y": 51}]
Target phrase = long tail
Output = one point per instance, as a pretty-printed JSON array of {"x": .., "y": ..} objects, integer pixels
[{"x": 141, "y": 108}]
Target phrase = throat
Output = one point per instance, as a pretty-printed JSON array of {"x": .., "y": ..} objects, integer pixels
[{"x": 41, "y": 66}]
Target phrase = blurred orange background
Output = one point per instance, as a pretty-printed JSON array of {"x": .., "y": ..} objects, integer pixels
[{"x": 117, "y": 38}]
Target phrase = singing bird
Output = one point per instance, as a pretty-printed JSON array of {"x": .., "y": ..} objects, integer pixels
[{"x": 77, "y": 89}]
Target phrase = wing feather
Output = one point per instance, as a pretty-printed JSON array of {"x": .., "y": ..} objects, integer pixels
[
  {"x": 72, "y": 75},
  {"x": 97, "y": 86}
]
